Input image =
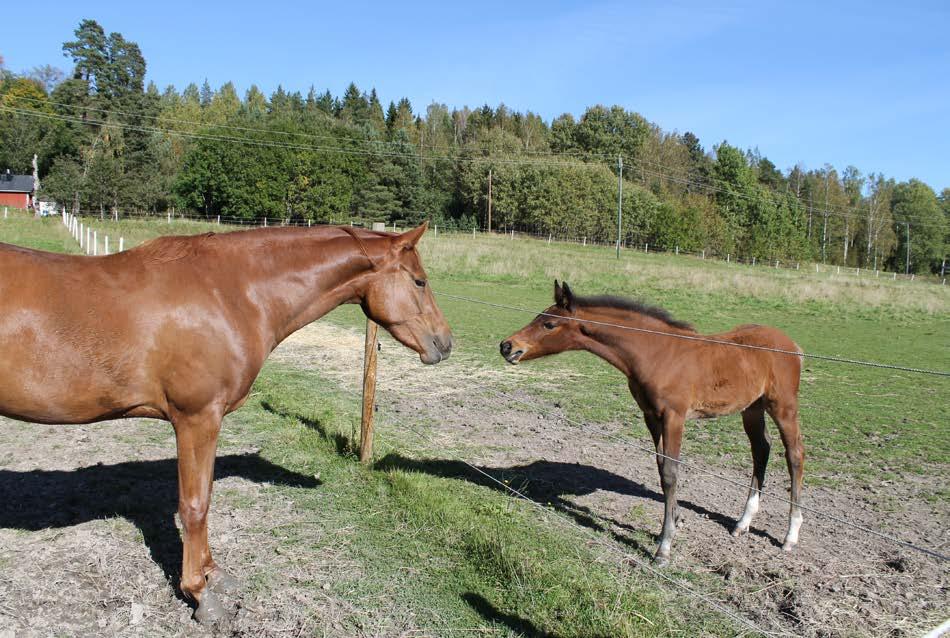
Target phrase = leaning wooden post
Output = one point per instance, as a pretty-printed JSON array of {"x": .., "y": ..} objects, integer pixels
[{"x": 369, "y": 391}]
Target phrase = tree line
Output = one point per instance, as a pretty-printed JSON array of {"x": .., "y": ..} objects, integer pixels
[{"x": 107, "y": 143}]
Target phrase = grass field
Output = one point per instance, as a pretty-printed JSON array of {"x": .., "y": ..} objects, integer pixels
[{"x": 462, "y": 555}]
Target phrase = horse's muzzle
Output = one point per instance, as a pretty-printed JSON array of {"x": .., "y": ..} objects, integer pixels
[{"x": 439, "y": 350}]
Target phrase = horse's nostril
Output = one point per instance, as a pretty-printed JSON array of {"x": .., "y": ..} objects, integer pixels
[{"x": 505, "y": 348}]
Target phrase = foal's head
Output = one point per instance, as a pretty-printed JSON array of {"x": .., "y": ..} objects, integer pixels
[
  {"x": 398, "y": 297},
  {"x": 552, "y": 331}
]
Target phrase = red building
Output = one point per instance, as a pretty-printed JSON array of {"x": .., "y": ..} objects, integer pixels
[{"x": 16, "y": 191}]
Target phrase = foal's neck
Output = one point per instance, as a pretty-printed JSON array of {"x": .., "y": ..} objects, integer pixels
[{"x": 629, "y": 343}]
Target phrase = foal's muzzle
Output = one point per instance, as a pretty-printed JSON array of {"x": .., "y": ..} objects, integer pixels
[{"x": 508, "y": 352}]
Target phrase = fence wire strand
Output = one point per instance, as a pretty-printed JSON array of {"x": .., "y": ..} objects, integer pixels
[
  {"x": 565, "y": 524},
  {"x": 821, "y": 357}
]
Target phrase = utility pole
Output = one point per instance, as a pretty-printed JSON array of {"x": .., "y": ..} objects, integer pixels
[
  {"x": 907, "y": 259},
  {"x": 824, "y": 230},
  {"x": 619, "y": 201},
  {"x": 489, "y": 201}
]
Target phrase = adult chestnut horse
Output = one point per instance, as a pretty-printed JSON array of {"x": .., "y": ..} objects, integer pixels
[
  {"x": 679, "y": 377},
  {"x": 178, "y": 329}
]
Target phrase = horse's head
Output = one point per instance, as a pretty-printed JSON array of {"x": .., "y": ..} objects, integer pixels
[
  {"x": 552, "y": 331},
  {"x": 398, "y": 297}
]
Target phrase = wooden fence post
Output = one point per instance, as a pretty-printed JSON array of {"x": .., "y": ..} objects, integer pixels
[{"x": 369, "y": 391}]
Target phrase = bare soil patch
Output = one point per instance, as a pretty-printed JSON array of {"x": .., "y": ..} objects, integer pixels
[
  {"x": 90, "y": 545},
  {"x": 840, "y": 581}
]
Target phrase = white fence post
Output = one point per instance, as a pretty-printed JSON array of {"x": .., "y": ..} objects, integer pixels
[
  {"x": 704, "y": 253},
  {"x": 121, "y": 244},
  {"x": 82, "y": 236},
  {"x": 106, "y": 251},
  {"x": 95, "y": 243}
]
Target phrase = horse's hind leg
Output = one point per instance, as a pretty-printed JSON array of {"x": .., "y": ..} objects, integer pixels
[
  {"x": 753, "y": 420},
  {"x": 669, "y": 471},
  {"x": 785, "y": 416}
]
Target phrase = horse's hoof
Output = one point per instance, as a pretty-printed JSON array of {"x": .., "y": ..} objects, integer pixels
[
  {"x": 221, "y": 582},
  {"x": 739, "y": 531},
  {"x": 209, "y": 610},
  {"x": 661, "y": 561},
  {"x": 787, "y": 547}
]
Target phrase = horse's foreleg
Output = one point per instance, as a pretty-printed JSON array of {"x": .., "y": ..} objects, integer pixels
[
  {"x": 669, "y": 471},
  {"x": 753, "y": 420},
  {"x": 197, "y": 437},
  {"x": 787, "y": 420}
]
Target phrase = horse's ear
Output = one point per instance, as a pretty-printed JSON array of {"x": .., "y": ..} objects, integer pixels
[
  {"x": 558, "y": 293},
  {"x": 409, "y": 239},
  {"x": 567, "y": 297}
]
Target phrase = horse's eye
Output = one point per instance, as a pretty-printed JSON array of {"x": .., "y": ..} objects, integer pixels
[
  {"x": 549, "y": 325},
  {"x": 421, "y": 283}
]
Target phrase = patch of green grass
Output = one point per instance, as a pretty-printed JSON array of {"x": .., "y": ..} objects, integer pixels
[{"x": 46, "y": 233}]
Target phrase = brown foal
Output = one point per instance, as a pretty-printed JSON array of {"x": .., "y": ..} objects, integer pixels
[
  {"x": 178, "y": 329},
  {"x": 673, "y": 379}
]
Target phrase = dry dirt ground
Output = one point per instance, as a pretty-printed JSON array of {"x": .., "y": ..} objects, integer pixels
[{"x": 75, "y": 563}]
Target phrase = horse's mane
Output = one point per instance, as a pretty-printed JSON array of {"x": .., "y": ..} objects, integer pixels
[{"x": 633, "y": 305}]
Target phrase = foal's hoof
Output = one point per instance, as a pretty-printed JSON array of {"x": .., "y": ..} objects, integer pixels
[
  {"x": 209, "y": 610},
  {"x": 738, "y": 531},
  {"x": 221, "y": 582},
  {"x": 787, "y": 546},
  {"x": 661, "y": 561}
]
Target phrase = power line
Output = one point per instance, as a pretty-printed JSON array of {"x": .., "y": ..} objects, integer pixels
[
  {"x": 274, "y": 144},
  {"x": 462, "y": 157}
]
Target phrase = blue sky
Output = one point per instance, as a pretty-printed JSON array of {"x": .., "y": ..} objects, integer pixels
[{"x": 863, "y": 83}]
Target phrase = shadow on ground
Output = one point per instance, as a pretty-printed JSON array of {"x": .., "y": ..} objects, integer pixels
[
  {"x": 143, "y": 492},
  {"x": 344, "y": 446},
  {"x": 555, "y": 484}
]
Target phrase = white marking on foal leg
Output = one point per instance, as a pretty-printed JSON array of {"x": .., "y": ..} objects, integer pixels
[
  {"x": 751, "y": 507},
  {"x": 794, "y": 524}
]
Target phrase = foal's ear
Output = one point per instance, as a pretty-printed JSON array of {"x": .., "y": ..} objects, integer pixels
[
  {"x": 409, "y": 239},
  {"x": 563, "y": 297}
]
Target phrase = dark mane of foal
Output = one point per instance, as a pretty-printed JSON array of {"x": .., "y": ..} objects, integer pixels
[{"x": 621, "y": 303}]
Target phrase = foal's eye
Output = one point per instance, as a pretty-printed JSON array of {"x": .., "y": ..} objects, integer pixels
[
  {"x": 549, "y": 325},
  {"x": 421, "y": 283}
]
